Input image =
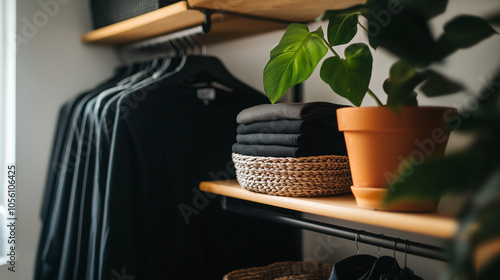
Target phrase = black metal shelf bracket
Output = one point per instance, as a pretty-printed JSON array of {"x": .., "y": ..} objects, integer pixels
[
  {"x": 379, "y": 240},
  {"x": 207, "y": 22}
]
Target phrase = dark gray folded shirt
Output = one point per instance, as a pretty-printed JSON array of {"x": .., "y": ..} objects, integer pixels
[
  {"x": 294, "y": 140},
  {"x": 294, "y": 111},
  {"x": 285, "y": 151},
  {"x": 310, "y": 125}
]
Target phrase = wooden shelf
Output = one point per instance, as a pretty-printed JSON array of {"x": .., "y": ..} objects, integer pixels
[
  {"x": 343, "y": 207},
  {"x": 164, "y": 20},
  {"x": 177, "y": 17},
  {"x": 225, "y": 26},
  {"x": 285, "y": 10}
]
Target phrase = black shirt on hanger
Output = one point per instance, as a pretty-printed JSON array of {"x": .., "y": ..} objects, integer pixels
[{"x": 162, "y": 147}]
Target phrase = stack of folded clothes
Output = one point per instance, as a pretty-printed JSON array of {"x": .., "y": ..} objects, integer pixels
[{"x": 289, "y": 130}]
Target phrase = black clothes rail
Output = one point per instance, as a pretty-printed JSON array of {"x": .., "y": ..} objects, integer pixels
[{"x": 409, "y": 247}]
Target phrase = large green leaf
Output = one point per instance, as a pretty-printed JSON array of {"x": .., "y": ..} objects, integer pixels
[
  {"x": 456, "y": 173},
  {"x": 351, "y": 10},
  {"x": 439, "y": 85},
  {"x": 293, "y": 60},
  {"x": 342, "y": 27},
  {"x": 490, "y": 271},
  {"x": 427, "y": 8},
  {"x": 405, "y": 34},
  {"x": 462, "y": 32},
  {"x": 466, "y": 31},
  {"x": 494, "y": 19},
  {"x": 400, "y": 85},
  {"x": 349, "y": 77},
  {"x": 478, "y": 224},
  {"x": 444, "y": 47}
]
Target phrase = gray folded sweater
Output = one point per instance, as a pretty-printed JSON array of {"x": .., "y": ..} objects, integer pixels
[
  {"x": 294, "y": 140},
  {"x": 295, "y": 111}
]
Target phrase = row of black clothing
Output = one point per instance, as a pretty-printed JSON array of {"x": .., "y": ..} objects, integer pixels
[
  {"x": 367, "y": 267},
  {"x": 122, "y": 196}
]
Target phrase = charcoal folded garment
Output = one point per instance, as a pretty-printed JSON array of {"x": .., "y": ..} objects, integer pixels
[
  {"x": 309, "y": 126},
  {"x": 294, "y": 140},
  {"x": 334, "y": 148},
  {"x": 295, "y": 111},
  {"x": 289, "y": 130}
]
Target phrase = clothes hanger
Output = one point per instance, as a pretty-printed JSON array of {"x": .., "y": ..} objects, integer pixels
[
  {"x": 386, "y": 267},
  {"x": 353, "y": 267},
  {"x": 405, "y": 273},
  {"x": 366, "y": 267},
  {"x": 199, "y": 68}
]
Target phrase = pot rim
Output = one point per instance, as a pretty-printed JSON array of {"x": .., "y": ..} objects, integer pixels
[{"x": 388, "y": 119}]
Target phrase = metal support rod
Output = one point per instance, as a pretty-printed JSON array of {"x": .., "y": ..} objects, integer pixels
[
  {"x": 413, "y": 248},
  {"x": 207, "y": 22}
]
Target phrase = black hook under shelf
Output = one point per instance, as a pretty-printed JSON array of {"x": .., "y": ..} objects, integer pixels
[
  {"x": 207, "y": 22},
  {"x": 413, "y": 248}
]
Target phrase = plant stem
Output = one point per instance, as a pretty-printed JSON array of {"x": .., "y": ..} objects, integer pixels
[
  {"x": 330, "y": 47},
  {"x": 364, "y": 28},
  {"x": 327, "y": 45},
  {"x": 370, "y": 92}
]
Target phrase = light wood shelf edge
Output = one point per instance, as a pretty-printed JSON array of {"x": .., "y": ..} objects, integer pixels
[
  {"x": 182, "y": 15},
  {"x": 176, "y": 17},
  {"x": 344, "y": 208},
  {"x": 289, "y": 10},
  {"x": 164, "y": 20}
]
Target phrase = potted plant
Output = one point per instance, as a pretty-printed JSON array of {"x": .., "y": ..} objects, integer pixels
[{"x": 383, "y": 142}]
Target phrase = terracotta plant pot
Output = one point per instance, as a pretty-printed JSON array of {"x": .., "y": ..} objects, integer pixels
[{"x": 380, "y": 139}]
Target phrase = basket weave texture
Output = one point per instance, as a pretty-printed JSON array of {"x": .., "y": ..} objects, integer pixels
[
  {"x": 284, "y": 271},
  {"x": 299, "y": 177}
]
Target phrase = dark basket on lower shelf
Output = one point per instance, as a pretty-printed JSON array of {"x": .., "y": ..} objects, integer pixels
[
  {"x": 283, "y": 271},
  {"x": 106, "y": 12}
]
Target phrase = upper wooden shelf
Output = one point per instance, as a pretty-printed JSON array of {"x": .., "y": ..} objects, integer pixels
[
  {"x": 164, "y": 20},
  {"x": 343, "y": 207},
  {"x": 225, "y": 25},
  {"x": 285, "y": 10}
]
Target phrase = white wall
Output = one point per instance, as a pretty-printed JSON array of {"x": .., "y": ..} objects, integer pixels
[
  {"x": 246, "y": 59},
  {"x": 52, "y": 66}
]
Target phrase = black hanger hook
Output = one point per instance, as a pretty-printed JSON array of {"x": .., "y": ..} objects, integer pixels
[
  {"x": 207, "y": 22},
  {"x": 406, "y": 250},
  {"x": 394, "y": 249},
  {"x": 378, "y": 247},
  {"x": 356, "y": 239}
]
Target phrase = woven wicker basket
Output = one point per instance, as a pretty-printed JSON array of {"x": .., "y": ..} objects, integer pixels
[
  {"x": 304, "y": 176},
  {"x": 284, "y": 271}
]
